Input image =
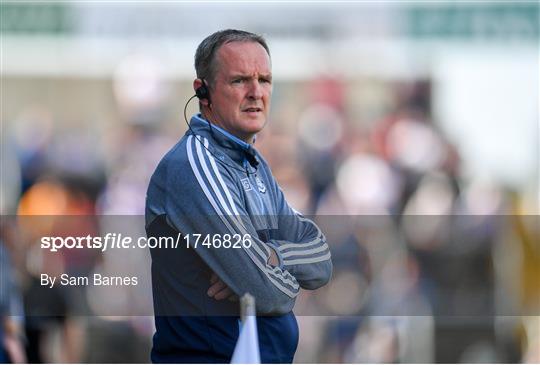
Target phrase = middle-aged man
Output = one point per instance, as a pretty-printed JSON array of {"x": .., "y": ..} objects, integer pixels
[{"x": 238, "y": 233}]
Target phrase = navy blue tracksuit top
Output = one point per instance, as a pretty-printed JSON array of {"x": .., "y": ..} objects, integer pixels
[{"x": 205, "y": 189}]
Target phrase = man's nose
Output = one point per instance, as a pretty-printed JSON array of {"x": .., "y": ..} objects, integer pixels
[{"x": 255, "y": 90}]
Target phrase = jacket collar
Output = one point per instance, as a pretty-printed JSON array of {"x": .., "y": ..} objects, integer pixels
[{"x": 231, "y": 145}]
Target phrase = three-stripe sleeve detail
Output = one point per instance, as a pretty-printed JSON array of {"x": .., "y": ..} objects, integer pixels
[{"x": 315, "y": 250}]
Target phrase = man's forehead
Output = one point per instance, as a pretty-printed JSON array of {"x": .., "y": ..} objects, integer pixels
[{"x": 243, "y": 58}]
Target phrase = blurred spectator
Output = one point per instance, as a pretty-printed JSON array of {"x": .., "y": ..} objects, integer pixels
[
  {"x": 320, "y": 130},
  {"x": 31, "y": 136},
  {"x": 11, "y": 311},
  {"x": 10, "y": 183}
]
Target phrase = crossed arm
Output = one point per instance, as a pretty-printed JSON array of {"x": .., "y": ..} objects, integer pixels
[{"x": 205, "y": 198}]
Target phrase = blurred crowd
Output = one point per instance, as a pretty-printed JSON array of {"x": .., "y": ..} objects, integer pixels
[{"x": 429, "y": 265}]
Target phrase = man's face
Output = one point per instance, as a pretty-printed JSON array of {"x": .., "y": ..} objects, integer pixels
[{"x": 241, "y": 89}]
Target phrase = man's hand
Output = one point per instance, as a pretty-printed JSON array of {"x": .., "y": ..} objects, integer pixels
[
  {"x": 219, "y": 290},
  {"x": 273, "y": 259}
]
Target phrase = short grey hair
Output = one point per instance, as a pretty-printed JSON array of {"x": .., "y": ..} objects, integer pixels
[{"x": 205, "y": 63}]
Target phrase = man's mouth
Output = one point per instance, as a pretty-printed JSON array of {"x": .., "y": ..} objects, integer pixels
[{"x": 253, "y": 110}]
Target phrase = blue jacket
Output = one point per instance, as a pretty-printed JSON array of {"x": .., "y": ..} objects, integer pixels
[{"x": 204, "y": 185}]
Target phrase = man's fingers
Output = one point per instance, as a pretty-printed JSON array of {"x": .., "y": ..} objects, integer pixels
[
  {"x": 219, "y": 290},
  {"x": 224, "y": 294},
  {"x": 216, "y": 288}
]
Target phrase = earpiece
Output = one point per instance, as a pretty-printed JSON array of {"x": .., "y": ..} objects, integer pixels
[{"x": 202, "y": 92}]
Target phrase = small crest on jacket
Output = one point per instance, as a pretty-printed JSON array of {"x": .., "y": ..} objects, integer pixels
[{"x": 246, "y": 184}]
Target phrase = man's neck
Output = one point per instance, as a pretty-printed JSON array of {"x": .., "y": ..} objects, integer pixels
[{"x": 210, "y": 119}]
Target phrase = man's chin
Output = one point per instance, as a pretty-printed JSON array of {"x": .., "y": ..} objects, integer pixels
[
  {"x": 247, "y": 135},
  {"x": 255, "y": 125}
]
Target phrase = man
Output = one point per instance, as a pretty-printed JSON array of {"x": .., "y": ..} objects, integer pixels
[{"x": 215, "y": 189}]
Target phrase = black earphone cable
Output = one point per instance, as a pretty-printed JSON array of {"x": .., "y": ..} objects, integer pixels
[{"x": 254, "y": 171}]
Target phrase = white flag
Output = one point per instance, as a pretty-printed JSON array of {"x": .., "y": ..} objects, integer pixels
[{"x": 247, "y": 347}]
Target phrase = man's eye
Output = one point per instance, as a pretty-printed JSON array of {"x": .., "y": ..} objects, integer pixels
[
  {"x": 237, "y": 81},
  {"x": 266, "y": 81}
]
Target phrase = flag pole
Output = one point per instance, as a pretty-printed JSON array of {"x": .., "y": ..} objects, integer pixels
[
  {"x": 247, "y": 349},
  {"x": 247, "y": 306}
]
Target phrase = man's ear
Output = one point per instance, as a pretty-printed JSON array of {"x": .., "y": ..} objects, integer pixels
[
  {"x": 202, "y": 91},
  {"x": 197, "y": 83}
]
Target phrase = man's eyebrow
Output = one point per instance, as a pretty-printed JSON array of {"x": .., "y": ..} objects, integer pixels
[
  {"x": 244, "y": 76},
  {"x": 239, "y": 76}
]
